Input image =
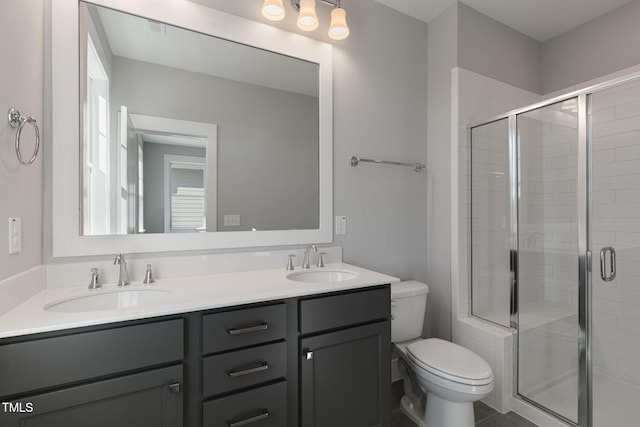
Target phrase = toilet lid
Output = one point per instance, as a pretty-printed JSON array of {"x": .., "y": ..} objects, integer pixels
[{"x": 450, "y": 361}]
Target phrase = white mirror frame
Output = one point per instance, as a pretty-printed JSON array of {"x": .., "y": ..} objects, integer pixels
[{"x": 65, "y": 125}]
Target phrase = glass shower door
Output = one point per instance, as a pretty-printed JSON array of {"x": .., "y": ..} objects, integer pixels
[
  {"x": 490, "y": 222},
  {"x": 615, "y": 246},
  {"x": 547, "y": 262}
]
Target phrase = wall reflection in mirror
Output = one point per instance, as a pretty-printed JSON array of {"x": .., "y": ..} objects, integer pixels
[{"x": 185, "y": 132}]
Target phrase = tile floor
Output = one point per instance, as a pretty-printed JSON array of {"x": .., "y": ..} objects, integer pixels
[{"x": 485, "y": 415}]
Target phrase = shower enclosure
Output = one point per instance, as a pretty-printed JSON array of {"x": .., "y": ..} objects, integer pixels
[{"x": 555, "y": 248}]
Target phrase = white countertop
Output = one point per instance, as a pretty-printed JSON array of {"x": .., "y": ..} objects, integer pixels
[{"x": 188, "y": 294}]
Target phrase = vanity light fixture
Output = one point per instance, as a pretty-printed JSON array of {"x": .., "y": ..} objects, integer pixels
[
  {"x": 273, "y": 10},
  {"x": 307, "y": 17},
  {"x": 338, "y": 29}
]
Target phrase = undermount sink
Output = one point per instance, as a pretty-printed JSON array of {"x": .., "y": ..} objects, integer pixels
[
  {"x": 322, "y": 276},
  {"x": 108, "y": 300}
]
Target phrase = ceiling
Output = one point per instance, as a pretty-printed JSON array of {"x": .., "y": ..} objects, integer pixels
[
  {"x": 539, "y": 19},
  {"x": 144, "y": 40}
]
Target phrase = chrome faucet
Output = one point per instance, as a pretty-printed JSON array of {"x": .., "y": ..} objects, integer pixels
[
  {"x": 123, "y": 279},
  {"x": 305, "y": 261},
  {"x": 95, "y": 280},
  {"x": 148, "y": 277}
]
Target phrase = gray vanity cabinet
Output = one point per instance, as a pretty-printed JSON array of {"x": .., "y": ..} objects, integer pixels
[
  {"x": 147, "y": 399},
  {"x": 345, "y": 360},
  {"x": 244, "y": 368},
  {"x": 316, "y": 361},
  {"x": 129, "y": 376}
]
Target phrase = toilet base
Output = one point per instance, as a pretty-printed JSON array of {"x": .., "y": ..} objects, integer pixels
[
  {"x": 411, "y": 410},
  {"x": 443, "y": 413}
]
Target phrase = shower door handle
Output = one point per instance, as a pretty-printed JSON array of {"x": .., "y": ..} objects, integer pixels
[{"x": 612, "y": 264}]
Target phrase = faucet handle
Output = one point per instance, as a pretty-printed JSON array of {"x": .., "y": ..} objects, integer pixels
[
  {"x": 148, "y": 277},
  {"x": 95, "y": 280},
  {"x": 321, "y": 259},
  {"x": 123, "y": 279},
  {"x": 290, "y": 262}
]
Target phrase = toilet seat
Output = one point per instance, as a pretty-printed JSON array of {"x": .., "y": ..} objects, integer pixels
[
  {"x": 450, "y": 361},
  {"x": 401, "y": 347}
]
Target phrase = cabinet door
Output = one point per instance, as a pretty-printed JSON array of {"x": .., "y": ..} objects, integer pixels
[
  {"x": 148, "y": 399},
  {"x": 345, "y": 378}
]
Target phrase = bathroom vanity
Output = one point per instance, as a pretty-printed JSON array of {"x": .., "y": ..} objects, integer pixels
[
  {"x": 258, "y": 348},
  {"x": 321, "y": 358}
]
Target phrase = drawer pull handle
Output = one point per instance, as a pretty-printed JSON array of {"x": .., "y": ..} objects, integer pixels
[
  {"x": 174, "y": 388},
  {"x": 262, "y": 367},
  {"x": 261, "y": 416},
  {"x": 249, "y": 329}
]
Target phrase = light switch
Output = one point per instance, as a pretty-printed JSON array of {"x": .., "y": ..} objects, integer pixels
[
  {"x": 15, "y": 235},
  {"x": 341, "y": 224}
]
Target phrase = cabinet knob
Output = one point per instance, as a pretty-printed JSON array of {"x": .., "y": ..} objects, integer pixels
[
  {"x": 308, "y": 354},
  {"x": 174, "y": 388}
]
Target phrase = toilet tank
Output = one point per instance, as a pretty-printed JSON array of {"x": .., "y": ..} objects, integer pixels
[{"x": 408, "y": 303}]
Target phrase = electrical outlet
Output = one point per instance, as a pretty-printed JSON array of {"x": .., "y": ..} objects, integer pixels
[
  {"x": 231, "y": 220},
  {"x": 15, "y": 235}
]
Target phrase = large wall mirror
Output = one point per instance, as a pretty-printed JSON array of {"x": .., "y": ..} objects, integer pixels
[{"x": 195, "y": 129}]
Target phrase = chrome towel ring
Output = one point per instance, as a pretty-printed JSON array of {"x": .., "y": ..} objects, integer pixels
[{"x": 17, "y": 121}]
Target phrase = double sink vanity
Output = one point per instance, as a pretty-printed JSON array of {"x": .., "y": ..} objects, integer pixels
[{"x": 264, "y": 348}]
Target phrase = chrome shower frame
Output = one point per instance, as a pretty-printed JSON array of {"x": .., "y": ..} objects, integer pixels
[{"x": 584, "y": 207}]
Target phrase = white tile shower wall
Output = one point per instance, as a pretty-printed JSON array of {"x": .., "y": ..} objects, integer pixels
[
  {"x": 616, "y": 222},
  {"x": 489, "y": 222},
  {"x": 531, "y": 212},
  {"x": 476, "y": 98}
]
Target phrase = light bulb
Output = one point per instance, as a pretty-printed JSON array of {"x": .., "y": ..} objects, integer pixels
[
  {"x": 307, "y": 18},
  {"x": 338, "y": 30},
  {"x": 273, "y": 10}
]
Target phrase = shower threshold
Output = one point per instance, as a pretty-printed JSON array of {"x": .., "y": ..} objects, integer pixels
[{"x": 615, "y": 402}]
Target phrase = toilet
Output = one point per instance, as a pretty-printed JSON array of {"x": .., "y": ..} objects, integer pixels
[{"x": 441, "y": 379}]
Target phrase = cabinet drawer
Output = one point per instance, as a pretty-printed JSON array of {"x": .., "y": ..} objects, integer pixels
[
  {"x": 336, "y": 311},
  {"x": 261, "y": 407},
  {"x": 241, "y": 328},
  {"x": 243, "y": 368},
  {"x": 56, "y": 361}
]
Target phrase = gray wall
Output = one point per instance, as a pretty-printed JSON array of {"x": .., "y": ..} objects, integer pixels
[
  {"x": 461, "y": 37},
  {"x": 492, "y": 49},
  {"x": 21, "y": 69},
  {"x": 153, "y": 155},
  {"x": 443, "y": 56},
  {"x": 267, "y": 139},
  {"x": 380, "y": 110},
  {"x": 602, "y": 46}
]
